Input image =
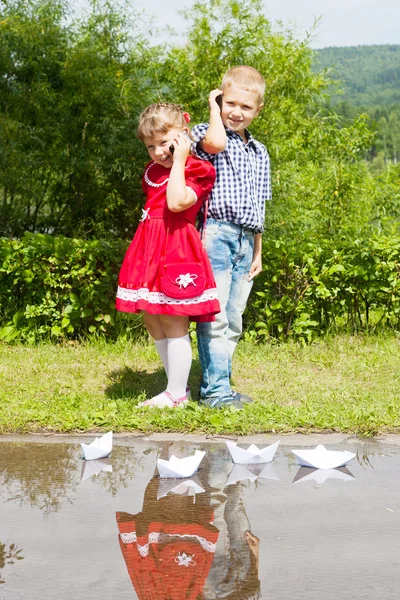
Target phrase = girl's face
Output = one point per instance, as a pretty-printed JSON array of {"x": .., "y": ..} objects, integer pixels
[{"x": 159, "y": 146}]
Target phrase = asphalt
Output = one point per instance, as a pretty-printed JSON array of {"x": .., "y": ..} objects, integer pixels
[{"x": 239, "y": 532}]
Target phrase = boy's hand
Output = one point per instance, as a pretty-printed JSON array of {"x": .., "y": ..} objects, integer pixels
[
  {"x": 256, "y": 267},
  {"x": 253, "y": 542},
  {"x": 256, "y": 264},
  {"x": 213, "y": 105}
]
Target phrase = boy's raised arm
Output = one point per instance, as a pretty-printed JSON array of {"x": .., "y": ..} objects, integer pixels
[{"x": 215, "y": 139}]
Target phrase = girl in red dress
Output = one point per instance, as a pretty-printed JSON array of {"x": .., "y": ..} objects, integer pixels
[{"x": 176, "y": 185}]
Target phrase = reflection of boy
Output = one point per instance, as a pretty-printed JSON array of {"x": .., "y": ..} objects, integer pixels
[
  {"x": 235, "y": 224},
  {"x": 234, "y": 571}
]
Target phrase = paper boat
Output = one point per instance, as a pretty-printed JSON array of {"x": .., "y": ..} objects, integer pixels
[
  {"x": 321, "y": 458},
  {"x": 321, "y": 475},
  {"x": 94, "y": 467},
  {"x": 100, "y": 448},
  {"x": 180, "y": 467},
  {"x": 189, "y": 487},
  {"x": 253, "y": 454},
  {"x": 243, "y": 473}
]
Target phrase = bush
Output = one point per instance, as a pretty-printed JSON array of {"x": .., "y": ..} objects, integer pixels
[
  {"x": 57, "y": 286},
  {"x": 307, "y": 288},
  {"x": 66, "y": 288}
]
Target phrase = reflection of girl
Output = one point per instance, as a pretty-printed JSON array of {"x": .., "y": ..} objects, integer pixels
[{"x": 169, "y": 547}]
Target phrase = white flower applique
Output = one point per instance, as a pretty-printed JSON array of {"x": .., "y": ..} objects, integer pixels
[
  {"x": 145, "y": 214},
  {"x": 185, "y": 560},
  {"x": 185, "y": 279}
]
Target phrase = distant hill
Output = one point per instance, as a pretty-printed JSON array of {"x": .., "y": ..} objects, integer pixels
[{"x": 370, "y": 74}]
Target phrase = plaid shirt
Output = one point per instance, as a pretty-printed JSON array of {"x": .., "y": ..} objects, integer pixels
[{"x": 243, "y": 182}]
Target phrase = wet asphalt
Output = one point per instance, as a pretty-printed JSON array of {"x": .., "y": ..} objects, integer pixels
[{"x": 114, "y": 530}]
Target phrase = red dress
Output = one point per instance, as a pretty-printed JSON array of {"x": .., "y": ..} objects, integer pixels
[
  {"x": 139, "y": 279},
  {"x": 169, "y": 562}
]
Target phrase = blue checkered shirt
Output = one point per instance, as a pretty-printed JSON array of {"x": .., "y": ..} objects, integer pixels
[{"x": 243, "y": 182}]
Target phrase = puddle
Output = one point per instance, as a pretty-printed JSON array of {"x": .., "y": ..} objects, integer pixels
[{"x": 276, "y": 531}]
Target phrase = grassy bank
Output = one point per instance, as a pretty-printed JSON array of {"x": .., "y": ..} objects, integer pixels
[{"x": 349, "y": 384}]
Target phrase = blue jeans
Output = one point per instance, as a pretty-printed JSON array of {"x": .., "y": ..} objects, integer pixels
[{"x": 230, "y": 250}]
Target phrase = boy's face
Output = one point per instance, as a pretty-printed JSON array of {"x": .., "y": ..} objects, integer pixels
[{"x": 239, "y": 108}]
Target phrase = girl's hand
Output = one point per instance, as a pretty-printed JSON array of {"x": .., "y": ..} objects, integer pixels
[
  {"x": 212, "y": 103},
  {"x": 181, "y": 144}
]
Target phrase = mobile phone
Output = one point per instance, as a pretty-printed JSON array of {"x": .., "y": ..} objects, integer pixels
[
  {"x": 218, "y": 100},
  {"x": 172, "y": 147}
]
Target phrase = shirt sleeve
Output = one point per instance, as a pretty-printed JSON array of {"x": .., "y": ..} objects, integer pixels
[
  {"x": 200, "y": 177},
  {"x": 268, "y": 191},
  {"x": 199, "y": 132}
]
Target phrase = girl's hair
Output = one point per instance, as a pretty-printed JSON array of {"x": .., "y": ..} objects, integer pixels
[{"x": 160, "y": 118}]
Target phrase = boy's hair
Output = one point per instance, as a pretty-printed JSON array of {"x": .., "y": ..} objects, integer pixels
[
  {"x": 160, "y": 118},
  {"x": 245, "y": 77}
]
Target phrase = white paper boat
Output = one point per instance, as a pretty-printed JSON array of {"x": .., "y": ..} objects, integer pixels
[
  {"x": 180, "y": 467},
  {"x": 253, "y": 454},
  {"x": 321, "y": 475},
  {"x": 189, "y": 487},
  {"x": 94, "y": 467},
  {"x": 321, "y": 458},
  {"x": 244, "y": 472},
  {"x": 100, "y": 448}
]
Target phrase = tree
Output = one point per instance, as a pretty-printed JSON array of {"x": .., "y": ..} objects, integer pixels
[{"x": 69, "y": 159}]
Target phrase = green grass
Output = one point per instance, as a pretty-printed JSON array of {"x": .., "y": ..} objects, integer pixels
[{"x": 348, "y": 384}]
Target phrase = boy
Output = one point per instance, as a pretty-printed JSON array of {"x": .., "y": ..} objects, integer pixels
[{"x": 235, "y": 223}]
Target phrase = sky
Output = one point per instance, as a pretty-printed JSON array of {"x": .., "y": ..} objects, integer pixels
[{"x": 343, "y": 22}]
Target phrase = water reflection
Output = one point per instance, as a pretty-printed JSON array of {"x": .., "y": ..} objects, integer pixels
[
  {"x": 321, "y": 475},
  {"x": 8, "y": 556},
  {"x": 234, "y": 572},
  {"x": 194, "y": 540},
  {"x": 30, "y": 475},
  {"x": 125, "y": 463},
  {"x": 169, "y": 546},
  {"x": 90, "y": 468},
  {"x": 45, "y": 476}
]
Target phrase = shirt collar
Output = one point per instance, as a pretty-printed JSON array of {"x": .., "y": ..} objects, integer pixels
[{"x": 250, "y": 139}]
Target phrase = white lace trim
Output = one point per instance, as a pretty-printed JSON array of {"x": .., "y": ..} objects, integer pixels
[
  {"x": 129, "y": 538},
  {"x": 151, "y": 183},
  {"x": 161, "y": 538},
  {"x": 160, "y": 298}
]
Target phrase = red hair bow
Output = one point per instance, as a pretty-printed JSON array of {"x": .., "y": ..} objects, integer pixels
[{"x": 186, "y": 116}]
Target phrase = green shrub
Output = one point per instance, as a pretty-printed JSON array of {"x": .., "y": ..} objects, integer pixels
[
  {"x": 65, "y": 288},
  {"x": 57, "y": 286},
  {"x": 309, "y": 288}
]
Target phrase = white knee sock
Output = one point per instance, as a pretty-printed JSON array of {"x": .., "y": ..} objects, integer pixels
[
  {"x": 162, "y": 349},
  {"x": 179, "y": 363}
]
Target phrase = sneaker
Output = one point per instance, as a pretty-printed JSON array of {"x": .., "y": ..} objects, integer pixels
[
  {"x": 164, "y": 400},
  {"x": 221, "y": 402},
  {"x": 244, "y": 398}
]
